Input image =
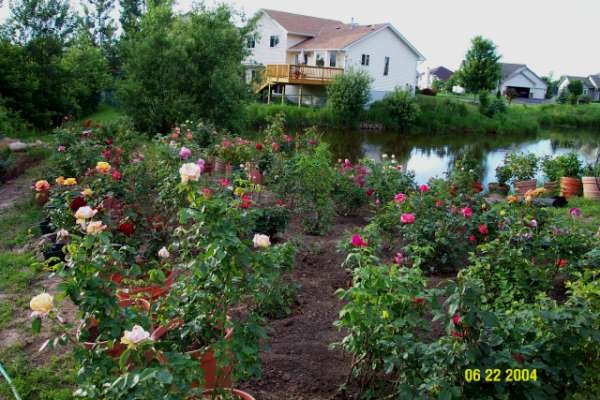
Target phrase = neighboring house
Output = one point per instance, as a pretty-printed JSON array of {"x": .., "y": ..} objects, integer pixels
[
  {"x": 299, "y": 55},
  {"x": 427, "y": 78},
  {"x": 591, "y": 85},
  {"x": 522, "y": 80}
]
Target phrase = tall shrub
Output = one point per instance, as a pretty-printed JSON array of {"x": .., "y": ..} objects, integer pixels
[
  {"x": 348, "y": 95},
  {"x": 401, "y": 108}
]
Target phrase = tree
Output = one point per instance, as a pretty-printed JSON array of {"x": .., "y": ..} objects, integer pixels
[
  {"x": 131, "y": 14},
  {"x": 480, "y": 69},
  {"x": 35, "y": 19},
  {"x": 575, "y": 88},
  {"x": 178, "y": 68},
  {"x": 348, "y": 95},
  {"x": 551, "y": 86},
  {"x": 401, "y": 108}
]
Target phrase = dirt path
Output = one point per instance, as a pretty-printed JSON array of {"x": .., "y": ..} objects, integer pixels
[
  {"x": 12, "y": 190},
  {"x": 297, "y": 363}
]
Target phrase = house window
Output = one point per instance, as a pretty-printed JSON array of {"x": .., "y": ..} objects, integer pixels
[
  {"x": 274, "y": 40},
  {"x": 585, "y": 91},
  {"x": 320, "y": 61},
  {"x": 365, "y": 60},
  {"x": 386, "y": 67},
  {"x": 251, "y": 43},
  {"x": 305, "y": 61},
  {"x": 332, "y": 59}
]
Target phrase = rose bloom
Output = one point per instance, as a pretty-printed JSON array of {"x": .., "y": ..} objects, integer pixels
[
  {"x": 400, "y": 198},
  {"x": 399, "y": 259},
  {"x": 472, "y": 239},
  {"x": 189, "y": 172},
  {"x": 77, "y": 203},
  {"x": 246, "y": 201},
  {"x": 42, "y": 186},
  {"x": 224, "y": 182},
  {"x": 95, "y": 227},
  {"x": 261, "y": 241},
  {"x": 62, "y": 235},
  {"x": 467, "y": 212},
  {"x": 357, "y": 241},
  {"x": 258, "y": 146},
  {"x": 70, "y": 182},
  {"x": 126, "y": 228},
  {"x": 102, "y": 167},
  {"x": 407, "y": 218},
  {"x": 575, "y": 212},
  {"x": 164, "y": 253},
  {"x": 60, "y": 180},
  {"x": 207, "y": 193},
  {"x": 135, "y": 336},
  {"x": 424, "y": 188},
  {"x": 275, "y": 147},
  {"x": 189, "y": 135},
  {"x": 85, "y": 212},
  {"x": 185, "y": 153},
  {"x": 561, "y": 263},
  {"x": 483, "y": 229},
  {"x": 87, "y": 192},
  {"x": 512, "y": 199},
  {"x": 201, "y": 164},
  {"x": 41, "y": 304},
  {"x": 439, "y": 203},
  {"x": 456, "y": 319},
  {"x": 61, "y": 148},
  {"x": 533, "y": 223},
  {"x": 419, "y": 301}
]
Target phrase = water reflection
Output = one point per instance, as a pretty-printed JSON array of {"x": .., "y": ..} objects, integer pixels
[{"x": 432, "y": 156}]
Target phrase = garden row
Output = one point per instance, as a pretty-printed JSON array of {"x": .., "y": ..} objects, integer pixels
[{"x": 525, "y": 297}]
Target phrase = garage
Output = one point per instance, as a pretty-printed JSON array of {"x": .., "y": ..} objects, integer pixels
[{"x": 522, "y": 92}]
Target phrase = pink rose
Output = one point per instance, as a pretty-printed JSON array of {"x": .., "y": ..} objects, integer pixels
[
  {"x": 483, "y": 229},
  {"x": 185, "y": 153},
  {"x": 407, "y": 218},
  {"x": 400, "y": 198},
  {"x": 424, "y": 188},
  {"x": 357, "y": 241},
  {"x": 399, "y": 259},
  {"x": 467, "y": 212}
]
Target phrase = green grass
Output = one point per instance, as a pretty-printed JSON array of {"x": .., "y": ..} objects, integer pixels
[
  {"x": 17, "y": 271},
  {"x": 21, "y": 222},
  {"x": 6, "y": 313},
  {"x": 53, "y": 381},
  {"x": 104, "y": 114},
  {"x": 590, "y": 214}
]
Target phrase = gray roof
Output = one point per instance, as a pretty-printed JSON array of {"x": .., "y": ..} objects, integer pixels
[
  {"x": 509, "y": 69},
  {"x": 584, "y": 80},
  {"x": 442, "y": 73},
  {"x": 595, "y": 80}
]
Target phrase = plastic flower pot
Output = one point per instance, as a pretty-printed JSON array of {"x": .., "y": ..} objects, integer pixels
[
  {"x": 151, "y": 292},
  {"x": 215, "y": 376},
  {"x": 570, "y": 187},
  {"x": 591, "y": 187},
  {"x": 523, "y": 187},
  {"x": 209, "y": 394}
]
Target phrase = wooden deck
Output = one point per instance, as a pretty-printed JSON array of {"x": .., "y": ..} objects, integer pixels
[{"x": 297, "y": 75}]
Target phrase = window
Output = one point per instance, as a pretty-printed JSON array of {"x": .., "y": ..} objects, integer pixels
[
  {"x": 365, "y": 60},
  {"x": 332, "y": 59},
  {"x": 305, "y": 61},
  {"x": 320, "y": 61},
  {"x": 251, "y": 43},
  {"x": 386, "y": 68},
  {"x": 274, "y": 40}
]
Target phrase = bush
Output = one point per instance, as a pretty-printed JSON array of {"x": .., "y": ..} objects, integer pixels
[
  {"x": 348, "y": 95},
  {"x": 428, "y": 92},
  {"x": 568, "y": 165},
  {"x": 184, "y": 68},
  {"x": 584, "y": 99},
  {"x": 401, "y": 109},
  {"x": 522, "y": 166}
]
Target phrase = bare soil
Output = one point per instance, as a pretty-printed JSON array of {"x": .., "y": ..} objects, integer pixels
[{"x": 297, "y": 362}]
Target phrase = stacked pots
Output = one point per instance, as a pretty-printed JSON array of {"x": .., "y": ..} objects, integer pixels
[
  {"x": 591, "y": 187},
  {"x": 570, "y": 187},
  {"x": 523, "y": 187}
]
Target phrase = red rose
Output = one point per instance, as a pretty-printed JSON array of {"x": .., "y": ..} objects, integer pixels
[
  {"x": 457, "y": 334},
  {"x": 472, "y": 239},
  {"x": 418, "y": 301},
  {"x": 456, "y": 319},
  {"x": 106, "y": 154},
  {"x": 77, "y": 202},
  {"x": 275, "y": 147},
  {"x": 126, "y": 228},
  {"x": 116, "y": 175},
  {"x": 246, "y": 202},
  {"x": 483, "y": 229},
  {"x": 477, "y": 187},
  {"x": 561, "y": 263},
  {"x": 518, "y": 357},
  {"x": 109, "y": 141},
  {"x": 259, "y": 146}
]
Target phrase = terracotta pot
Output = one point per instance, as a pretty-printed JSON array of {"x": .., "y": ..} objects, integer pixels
[
  {"x": 591, "y": 187},
  {"x": 570, "y": 187},
  {"x": 151, "y": 292},
  {"x": 522, "y": 187},
  {"x": 238, "y": 393},
  {"x": 551, "y": 187},
  {"x": 496, "y": 187},
  {"x": 214, "y": 377},
  {"x": 219, "y": 165}
]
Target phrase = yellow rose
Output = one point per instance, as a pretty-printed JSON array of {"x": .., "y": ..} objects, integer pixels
[
  {"x": 70, "y": 182},
  {"x": 95, "y": 227},
  {"x": 42, "y": 303},
  {"x": 103, "y": 167},
  {"x": 87, "y": 192},
  {"x": 512, "y": 199},
  {"x": 60, "y": 180}
]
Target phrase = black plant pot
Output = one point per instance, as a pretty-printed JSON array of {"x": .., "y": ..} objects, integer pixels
[
  {"x": 54, "y": 252},
  {"x": 46, "y": 227}
]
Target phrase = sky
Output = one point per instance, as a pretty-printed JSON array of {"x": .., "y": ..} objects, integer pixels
[{"x": 550, "y": 36}]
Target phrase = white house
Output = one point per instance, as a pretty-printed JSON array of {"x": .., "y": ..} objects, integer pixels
[
  {"x": 522, "y": 80},
  {"x": 427, "y": 78},
  {"x": 299, "y": 55},
  {"x": 591, "y": 85}
]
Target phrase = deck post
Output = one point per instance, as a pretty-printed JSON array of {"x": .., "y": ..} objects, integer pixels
[
  {"x": 300, "y": 97},
  {"x": 283, "y": 94},
  {"x": 269, "y": 94}
]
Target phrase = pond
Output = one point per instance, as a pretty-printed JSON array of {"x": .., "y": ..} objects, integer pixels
[{"x": 432, "y": 156}]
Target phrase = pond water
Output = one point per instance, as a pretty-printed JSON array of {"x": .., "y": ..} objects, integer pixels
[{"x": 432, "y": 156}]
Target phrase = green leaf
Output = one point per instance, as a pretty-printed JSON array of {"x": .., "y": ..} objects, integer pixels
[{"x": 36, "y": 325}]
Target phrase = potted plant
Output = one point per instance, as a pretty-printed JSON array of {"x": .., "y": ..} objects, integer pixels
[
  {"x": 552, "y": 170},
  {"x": 503, "y": 175},
  {"x": 523, "y": 168},
  {"x": 591, "y": 182},
  {"x": 571, "y": 169}
]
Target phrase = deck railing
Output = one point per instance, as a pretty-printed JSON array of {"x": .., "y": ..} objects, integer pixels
[{"x": 301, "y": 73}]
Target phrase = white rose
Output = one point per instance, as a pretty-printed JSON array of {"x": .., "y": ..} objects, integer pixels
[
  {"x": 164, "y": 253},
  {"x": 84, "y": 213},
  {"x": 261, "y": 241},
  {"x": 95, "y": 227},
  {"x": 135, "y": 336},
  {"x": 41, "y": 304},
  {"x": 62, "y": 235},
  {"x": 189, "y": 172}
]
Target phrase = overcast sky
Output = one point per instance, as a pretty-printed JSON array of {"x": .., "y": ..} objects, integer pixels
[{"x": 559, "y": 36}]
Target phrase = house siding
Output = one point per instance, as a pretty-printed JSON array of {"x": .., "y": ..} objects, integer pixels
[
  {"x": 403, "y": 62},
  {"x": 526, "y": 79},
  {"x": 263, "y": 53}
]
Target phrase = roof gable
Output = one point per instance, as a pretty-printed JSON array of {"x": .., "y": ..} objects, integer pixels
[
  {"x": 442, "y": 73},
  {"x": 507, "y": 69},
  {"x": 337, "y": 37},
  {"x": 301, "y": 24}
]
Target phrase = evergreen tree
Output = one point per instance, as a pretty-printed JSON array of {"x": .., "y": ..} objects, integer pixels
[{"x": 480, "y": 70}]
